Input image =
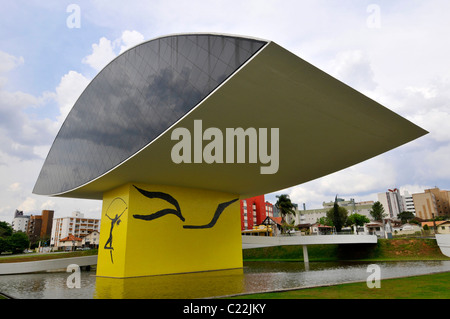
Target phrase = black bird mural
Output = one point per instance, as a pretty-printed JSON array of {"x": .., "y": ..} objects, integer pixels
[
  {"x": 177, "y": 211},
  {"x": 220, "y": 208},
  {"x": 168, "y": 198}
]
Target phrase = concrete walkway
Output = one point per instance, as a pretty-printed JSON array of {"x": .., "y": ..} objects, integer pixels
[
  {"x": 266, "y": 241},
  {"x": 45, "y": 265}
]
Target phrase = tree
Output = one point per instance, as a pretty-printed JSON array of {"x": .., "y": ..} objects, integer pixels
[
  {"x": 18, "y": 242},
  {"x": 425, "y": 230},
  {"x": 288, "y": 226},
  {"x": 4, "y": 245},
  {"x": 5, "y": 230},
  {"x": 337, "y": 216},
  {"x": 377, "y": 211},
  {"x": 324, "y": 221},
  {"x": 285, "y": 207},
  {"x": 15, "y": 242},
  {"x": 358, "y": 220},
  {"x": 405, "y": 216}
]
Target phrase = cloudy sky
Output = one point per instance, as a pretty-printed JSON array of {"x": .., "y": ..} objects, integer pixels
[{"x": 396, "y": 52}]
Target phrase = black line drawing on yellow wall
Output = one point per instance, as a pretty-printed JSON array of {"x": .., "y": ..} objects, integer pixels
[
  {"x": 168, "y": 198},
  {"x": 220, "y": 208},
  {"x": 119, "y": 206}
]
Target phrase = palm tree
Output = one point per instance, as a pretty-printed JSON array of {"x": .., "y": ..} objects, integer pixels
[{"x": 285, "y": 207}]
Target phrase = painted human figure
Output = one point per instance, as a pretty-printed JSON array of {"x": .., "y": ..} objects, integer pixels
[{"x": 114, "y": 221}]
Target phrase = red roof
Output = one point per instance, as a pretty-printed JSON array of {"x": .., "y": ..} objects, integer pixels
[
  {"x": 71, "y": 238},
  {"x": 323, "y": 226},
  {"x": 438, "y": 222},
  {"x": 276, "y": 220}
]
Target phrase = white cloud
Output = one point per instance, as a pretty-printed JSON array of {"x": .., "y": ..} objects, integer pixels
[
  {"x": 67, "y": 92},
  {"x": 413, "y": 188},
  {"x": 307, "y": 194},
  {"x": 436, "y": 122},
  {"x": 9, "y": 62},
  {"x": 20, "y": 133},
  {"x": 436, "y": 163},
  {"x": 12, "y": 105},
  {"x": 129, "y": 39},
  {"x": 426, "y": 92},
  {"x": 428, "y": 107},
  {"x": 354, "y": 68},
  {"x": 361, "y": 178},
  {"x": 15, "y": 187},
  {"x": 106, "y": 50},
  {"x": 6, "y": 213},
  {"x": 28, "y": 205},
  {"x": 102, "y": 54},
  {"x": 48, "y": 205}
]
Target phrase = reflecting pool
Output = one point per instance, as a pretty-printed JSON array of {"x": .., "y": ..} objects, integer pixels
[{"x": 254, "y": 277}]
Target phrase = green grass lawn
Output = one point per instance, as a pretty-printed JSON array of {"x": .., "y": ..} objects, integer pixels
[
  {"x": 384, "y": 250},
  {"x": 54, "y": 255},
  {"x": 434, "y": 286}
]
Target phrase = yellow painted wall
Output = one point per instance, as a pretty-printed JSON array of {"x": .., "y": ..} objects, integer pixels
[{"x": 163, "y": 245}]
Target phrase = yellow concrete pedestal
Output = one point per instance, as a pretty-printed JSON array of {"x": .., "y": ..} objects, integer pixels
[{"x": 153, "y": 230}]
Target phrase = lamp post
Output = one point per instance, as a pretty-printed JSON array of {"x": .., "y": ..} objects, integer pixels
[{"x": 434, "y": 223}]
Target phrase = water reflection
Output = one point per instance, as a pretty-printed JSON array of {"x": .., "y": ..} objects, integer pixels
[
  {"x": 52, "y": 285},
  {"x": 254, "y": 277},
  {"x": 182, "y": 286}
]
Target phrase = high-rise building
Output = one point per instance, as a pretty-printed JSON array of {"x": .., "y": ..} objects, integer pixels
[
  {"x": 269, "y": 209},
  {"x": 254, "y": 211},
  {"x": 392, "y": 202},
  {"x": 432, "y": 203},
  {"x": 40, "y": 226},
  {"x": 20, "y": 221},
  {"x": 76, "y": 225},
  {"x": 408, "y": 202}
]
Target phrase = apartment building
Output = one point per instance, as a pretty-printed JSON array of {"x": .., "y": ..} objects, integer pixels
[
  {"x": 408, "y": 202},
  {"x": 392, "y": 202},
  {"x": 76, "y": 225},
  {"x": 432, "y": 203},
  {"x": 20, "y": 221},
  {"x": 92, "y": 240},
  {"x": 254, "y": 211},
  {"x": 269, "y": 209},
  {"x": 311, "y": 216},
  {"x": 40, "y": 226}
]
